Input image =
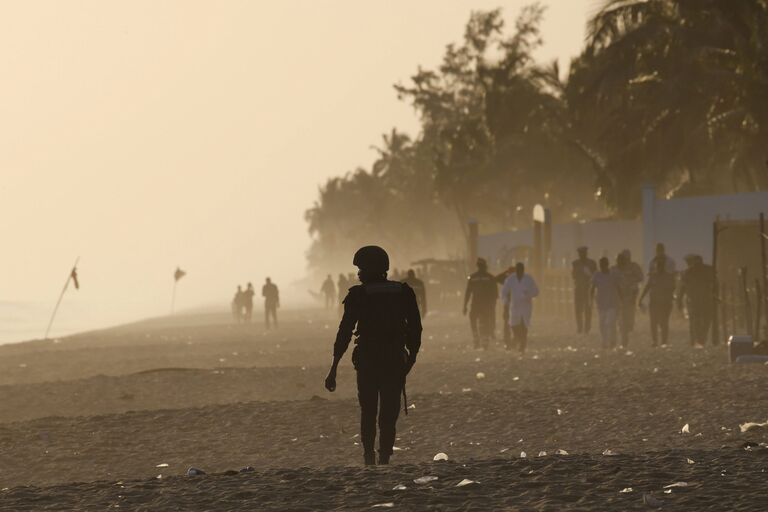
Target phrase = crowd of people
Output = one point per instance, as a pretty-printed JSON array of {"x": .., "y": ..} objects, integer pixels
[{"x": 242, "y": 303}]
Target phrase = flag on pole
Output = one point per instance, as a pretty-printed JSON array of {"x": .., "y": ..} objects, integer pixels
[
  {"x": 73, "y": 276},
  {"x": 178, "y": 274}
]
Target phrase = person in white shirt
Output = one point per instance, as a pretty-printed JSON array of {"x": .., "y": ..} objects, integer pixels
[{"x": 517, "y": 295}]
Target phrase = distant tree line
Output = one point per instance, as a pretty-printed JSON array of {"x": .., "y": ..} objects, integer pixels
[{"x": 668, "y": 92}]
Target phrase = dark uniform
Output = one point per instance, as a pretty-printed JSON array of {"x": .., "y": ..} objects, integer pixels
[
  {"x": 630, "y": 276},
  {"x": 661, "y": 288},
  {"x": 419, "y": 289},
  {"x": 583, "y": 269},
  {"x": 482, "y": 291},
  {"x": 388, "y": 323},
  {"x": 696, "y": 289},
  {"x": 507, "y": 333}
]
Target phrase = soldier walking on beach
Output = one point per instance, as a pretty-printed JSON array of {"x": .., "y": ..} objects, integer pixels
[
  {"x": 271, "y": 302},
  {"x": 582, "y": 271},
  {"x": 661, "y": 286},
  {"x": 419, "y": 289},
  {"x": 237, "y": 305},
  {"x": 517, "y": 295},
  {"x": 385, "y": 318},
  {"x": 607, "y": 293},
  {"x": 696, "y": 285},
  {"x": 630, "y": 276},
  {"x": 482, "y": 292},
  {"x": 329, "y": 292},
  {"x": 248, "y": 302},
  {"x": 507, "y": 331}
]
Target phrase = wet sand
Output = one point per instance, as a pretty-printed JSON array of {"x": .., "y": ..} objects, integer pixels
[{"x": 111, "y": 409}]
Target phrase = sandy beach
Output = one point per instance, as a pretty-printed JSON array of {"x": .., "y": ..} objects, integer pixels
[{"x": 114, "y": 418}]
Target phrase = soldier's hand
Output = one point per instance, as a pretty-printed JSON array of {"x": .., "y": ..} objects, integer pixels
[{"x": 330, "y": 381}]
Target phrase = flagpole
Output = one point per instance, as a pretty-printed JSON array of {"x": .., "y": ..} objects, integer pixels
[{"x": 61, "y": 296}]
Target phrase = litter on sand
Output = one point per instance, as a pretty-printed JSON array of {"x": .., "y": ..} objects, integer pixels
[
  {"x": 440, "y": 457},
  {"x": 466, "y": 482},
  {"x": 686, "y": 429},
  {"x": 384, "y": 505},
  {"x": 750, "y": 425},
  {"x": 523, "y": 455},
  {"x": 690, "y": 461},
  {"x": 480, "y": 376},
  {"x": 561, "y": 452},
  {"x": 425, "y": 479},
  {"x": 627, "y": 490},
  {"x": 399, "y": 487},
  {"x": 676, "y": 484},
  {"x": 542, "y": 453},
  {"x": 163, "y": 465},
  {"x": 609, "y": 453}
]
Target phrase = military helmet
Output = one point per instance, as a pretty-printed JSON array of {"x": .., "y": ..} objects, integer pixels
[{"x": 371, "y": 258}]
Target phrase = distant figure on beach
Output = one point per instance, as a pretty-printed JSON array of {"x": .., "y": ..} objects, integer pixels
[
  {"x": 697, "y": 293},
  {"x": 661, "y": 287},
  {"x": 661, "y": 254},
  {"x": 482, "y": 291},
  {"x": 328, "y": 289},
  {"x": 237, "y": 305},
  {"x": 343, "y": 285},
  {"x": 507, "y": 332},
  {"x": 385, "y": 317},
  {"x": 630, "y": 276},
  {"x": 248, "y": 302},
  {"x": 517, "y": 294},
  {"x": 271, "y": 302},
  {"x": 606, "y": 291},
  {"x": 582, "y": 270},
  {"x": 419, "y": 289}
]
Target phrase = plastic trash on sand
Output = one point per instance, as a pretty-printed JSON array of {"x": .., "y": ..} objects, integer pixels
[
  {"x": 609, "y": 453},
  {"x": 676, "y": 484},
  {"x": 690, "y": 461},
  {"x": 440, "y": 457},
  {"x": 195, "y": 472},
  {"x": 627, "y": 490},
  {"x": 480, "y": 376},
  {"x": 384, "y": 505},
  {"x": 162, "y": 465},
  {"x": 399, "y": 487},
  {"x": 523, "y": 455},
  {"x": 561, "y": 452},
  {"x": 466, "y": 482},
  {"x": 686, "y": 429},
  {"x": 542, "y": 453},
  {"x": 652, "y": 501},
  {"x": 751, "y": 425},
  {"x": 425, "y": 479}
]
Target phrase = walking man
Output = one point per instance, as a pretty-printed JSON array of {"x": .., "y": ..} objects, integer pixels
[
  {"x": 661, "y": 286},
  {"x": 517, "y": 294},
  {"x": 696, "y": 292},
  {"x": 482, "y": 291},
  {"x": 606, "y": 290},
  {"x": 329, "y": 291},
  {"x": 630, "y": 276},
  {"x": 237, "y": 305},
  {"x": 385, "y": 318},
  {"x": 582, "y": 271},
  {"x": 248, "y": 302},
  {"x": 419, "y": 289},
  {"x": 271, "y": 302}
]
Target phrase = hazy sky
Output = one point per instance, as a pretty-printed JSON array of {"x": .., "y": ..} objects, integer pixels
[{"x": 145, "y": 134}]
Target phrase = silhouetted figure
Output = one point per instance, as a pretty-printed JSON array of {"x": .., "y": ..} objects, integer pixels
[
  {"x": 661, "y": 254},
  {"x": 482, "y": 292},
  {"x": 343, "y": 285},
  {"x": 237, "y": 305},
  {"x": 419, "y": 289},
  {"x": 607, "y": 293},
  {"x": 696, "y": 292},
  {"x": 630, "y": 276},
  {"x": 248, "y": 302},
  {"x": 385, "y": 317},
  {"x": 329, "y": 292},
  {"x": 271, "y": 302},
  {"x": 582, "y": 271},
  {"x": 517, "y": 294},
  {"x": 661, "y": 286},
  {"x": 507, "y": 332}
]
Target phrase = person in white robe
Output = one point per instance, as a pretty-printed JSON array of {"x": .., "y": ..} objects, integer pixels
[{"x": 517, "y": 295}]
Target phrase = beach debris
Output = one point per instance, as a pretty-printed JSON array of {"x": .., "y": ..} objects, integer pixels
[
  {"x": 396, "y": 449},
  {"x": 652, "y": 501},
  {"x": 629, "y": 353},
  {"x": 412, "y": 406},
  {"x": 690, "y": 461},
  {"x": 440, "y": 457},
  {"x": 560, "y": 452},
  {"x": 504, "y": 450},
  {"x": 542, "y": 453},
  {"x": 159, "y": 477},
  {"x": 523, "y": 455},
  {"x": 480, "y": 376},
  {"x": 655, "y": 370},
  {"x": 676, "y": 484},
  {"x": 163, "y": 465},
  {"x": 609, "y": 453},
  {"x": 686, "y": 429},
  {"x": 466, "y": 390},
  {"x": 425, "y": 479},
  {"x": 399, "y": 487},
  {"x": 477, "y": 359},
  {"x": 192, "y": 471},
  {"x": 384, "y": 505},
  {"x": 247, "y": 469},
  {"x": 466, "y": 482},
  {"x": 559, "y": 412},
  {"x": 515, "y": 378},
  {"x": 699, "y": 435},
  {"x": 668, "y": 491},
  {"x": 751, "y": 425},
  {"x": 627, "y": 490}
]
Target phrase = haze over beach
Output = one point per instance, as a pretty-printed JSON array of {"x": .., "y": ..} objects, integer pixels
[
  {"x": 144, "y": 135},
  {"x": 343, "y": 255}
]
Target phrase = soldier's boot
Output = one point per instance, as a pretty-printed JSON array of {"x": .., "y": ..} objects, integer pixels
[
  {"x": 369, "y": 458},
  {"x": 383, "y": 459}
]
